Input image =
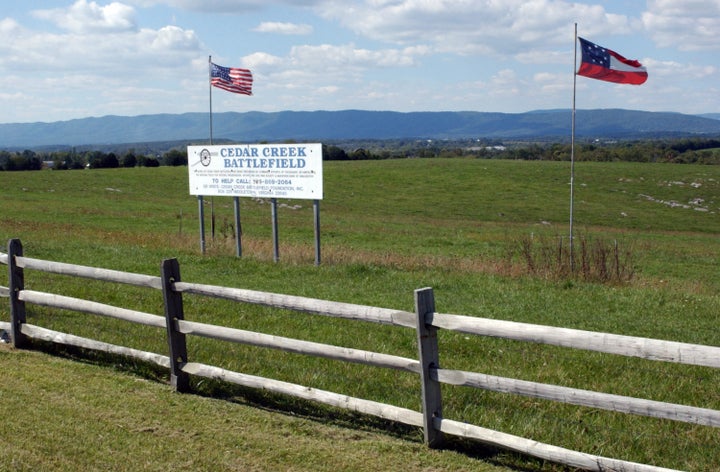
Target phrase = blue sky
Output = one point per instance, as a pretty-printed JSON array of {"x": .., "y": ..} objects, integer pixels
[{"x": 66, "y": 59}]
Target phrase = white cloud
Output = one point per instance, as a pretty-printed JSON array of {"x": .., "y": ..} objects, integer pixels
[
  {"x": 171, "y": 38},
  {"x": 103, "y": 46},
  {"x": 688, "y": 25},
  {"x": 339, "y": 59},
  {"x": 84, "y": 17},
  {"x": 672, "y": 69},
  {"x": 221, "y": 6},
  {"x": 311, "y": 75},
  {"x": 552, "y": 85},
  {"x": 283, "y": 28},
  {"x": 95, "y": 65},
  {"x": 262, "y": 60},
  {"x": 8, "y": 26},
  {"x": 472, "y": 26}
]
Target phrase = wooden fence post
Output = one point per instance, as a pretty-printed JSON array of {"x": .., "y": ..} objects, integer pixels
[
  {"x": 16, "y": 281},
  {"x": 429, "y": 360},
  {"x": 173, "y": 312}
]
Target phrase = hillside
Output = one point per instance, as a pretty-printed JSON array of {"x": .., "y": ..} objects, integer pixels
[{"x": 355, "y": 124}]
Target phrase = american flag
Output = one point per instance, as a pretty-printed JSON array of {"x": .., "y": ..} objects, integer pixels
[{"x": 232, "y": 79}]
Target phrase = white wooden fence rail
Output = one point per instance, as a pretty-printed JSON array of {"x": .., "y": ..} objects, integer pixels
[
  {"x": 630, "y": 346},
  {"x": 573, "y": 396},
  {"x": 94, "y": 308},
  {"x": 359, "y": 405},
  {"x": 299, "y": 347},
  {"x": 88, "y": 272},
  {"x": 43, "y": 334},
  {"x": 308, "y": 305},
  {"x": 426, "y": 321}
]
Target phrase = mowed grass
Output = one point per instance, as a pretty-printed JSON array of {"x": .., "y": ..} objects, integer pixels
[
  {"x": 391, "y": 227},
  {"x": 77, "y": 416}
]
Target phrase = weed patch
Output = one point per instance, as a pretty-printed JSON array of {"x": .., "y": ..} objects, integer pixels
[{"x": 588, "y": 258}]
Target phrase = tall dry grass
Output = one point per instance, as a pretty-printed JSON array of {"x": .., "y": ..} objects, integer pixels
[{"x": 590, "y": 258}]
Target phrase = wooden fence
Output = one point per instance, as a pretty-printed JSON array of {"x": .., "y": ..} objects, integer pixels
[{"x": 426, "y": 322}]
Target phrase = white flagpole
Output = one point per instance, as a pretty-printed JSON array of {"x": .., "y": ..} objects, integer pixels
[
  {"x": 201, "y": 208},
  {"x": 210, "y": 92},
  {"x": 212, "y": 200},
  {"x": 572, "y": 155}
]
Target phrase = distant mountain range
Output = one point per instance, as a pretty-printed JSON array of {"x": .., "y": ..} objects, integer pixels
[{"x": 356, "y": 124}]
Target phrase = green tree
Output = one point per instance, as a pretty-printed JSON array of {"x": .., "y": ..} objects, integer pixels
[
  {"x": 148, "y": 161},
  {"x": 175, "y": 157},
  {"x": 334, "y": 153},
  {"x": 110, "y": 161},
  {"x": 129, "y": 160},
  {"x": 5, "y": 157},
  {"x": 360, "y": 155}
]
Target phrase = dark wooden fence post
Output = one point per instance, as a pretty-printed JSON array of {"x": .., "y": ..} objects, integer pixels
[
  {"x": 429, "y": 360},
  {"x": 16, "y": 284},
  {"x": 173, "y": 312}
]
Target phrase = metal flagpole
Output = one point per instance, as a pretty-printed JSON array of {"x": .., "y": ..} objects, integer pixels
[
  {"x": 201, "y": 209},
  {"x": 212, "y": 199},
  {"x": 572, "y": 156},
  {"x": 210, "y": 92}
]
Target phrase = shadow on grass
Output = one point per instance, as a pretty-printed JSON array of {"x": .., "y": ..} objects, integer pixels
[{"x": 305, "y": 409}]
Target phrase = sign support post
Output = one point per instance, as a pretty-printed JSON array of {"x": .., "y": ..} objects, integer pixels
[
  {"x": 201, "y": 215},
  {"x": 276, "y": 245},
  {"x": 316, "y": 220},
  {"x": 238, "y": 228}
]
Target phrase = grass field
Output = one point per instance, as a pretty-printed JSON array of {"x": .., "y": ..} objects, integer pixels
[{"x": 388, "y": 228}]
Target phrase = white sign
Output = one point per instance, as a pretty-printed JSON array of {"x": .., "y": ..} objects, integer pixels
[{"x": 257, "y": 170}]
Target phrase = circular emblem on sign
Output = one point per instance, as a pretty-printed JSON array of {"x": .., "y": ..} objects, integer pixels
[{"x": 205, "y": 157}]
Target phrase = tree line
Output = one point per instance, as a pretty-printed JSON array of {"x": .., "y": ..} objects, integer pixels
[
  {"x": 685, "y": 150},
  {"x": 69, "y": 160}
]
